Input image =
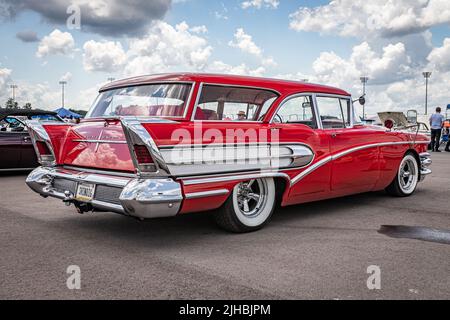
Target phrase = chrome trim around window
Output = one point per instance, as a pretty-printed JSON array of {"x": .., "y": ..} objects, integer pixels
[
  {"x": 187, "y": 102},
  {"x": 200, "y": 90}
]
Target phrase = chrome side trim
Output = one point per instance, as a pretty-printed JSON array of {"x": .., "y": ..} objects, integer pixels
[
  {"x": 189, "y": 182},
  {"x": 204, "y": 194},
  {"x": 100, "y": 141},
  {"x": 186, "y": 160},
  {"x": 344, "y": 153},
  {"x": 310, "y": 169}
]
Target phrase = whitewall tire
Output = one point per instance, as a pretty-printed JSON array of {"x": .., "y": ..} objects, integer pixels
[{"x": 249, "y": 207}]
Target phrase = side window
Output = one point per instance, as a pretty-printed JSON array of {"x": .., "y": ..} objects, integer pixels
[
  {"x": 297, "y": 110},
  {"x": 224, "y": 103},
  {"x": 10, "y": 124},
  {"x": 334, "y": 112}
]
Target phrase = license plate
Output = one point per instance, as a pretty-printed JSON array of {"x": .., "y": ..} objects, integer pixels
[{"x": 85, "y": 192}]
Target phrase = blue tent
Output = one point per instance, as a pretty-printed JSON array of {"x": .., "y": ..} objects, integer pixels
[{"x": 64, "y": 113}]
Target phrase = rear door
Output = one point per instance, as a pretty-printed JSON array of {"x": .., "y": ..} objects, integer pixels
[
  {"x": 296, "y": 122},
  {"x": 355, "y": 165}
]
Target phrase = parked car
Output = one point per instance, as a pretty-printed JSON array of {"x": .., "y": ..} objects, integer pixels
[
  {"x": 167, "y": 145},
  {"x": 16, "y": 149}
]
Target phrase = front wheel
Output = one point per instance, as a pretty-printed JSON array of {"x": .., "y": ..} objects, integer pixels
[
  {"x": 249, "y": 207},
  {"x": 407, "y": 178}
]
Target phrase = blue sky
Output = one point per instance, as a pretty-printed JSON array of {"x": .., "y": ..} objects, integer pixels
[{"x": 326, "y": 43}]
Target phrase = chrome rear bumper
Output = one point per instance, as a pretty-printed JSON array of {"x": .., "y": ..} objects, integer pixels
[
  {"x": 141, "y": 198},
  {"x": 425, "y": 162}
]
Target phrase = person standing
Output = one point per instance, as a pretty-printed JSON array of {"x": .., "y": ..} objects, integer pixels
[{"x": 436, "y": 123}]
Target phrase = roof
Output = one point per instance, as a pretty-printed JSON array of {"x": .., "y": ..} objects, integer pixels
[
  {"x": 281, "y": 86},
  {"x": 24, "y": 112}
]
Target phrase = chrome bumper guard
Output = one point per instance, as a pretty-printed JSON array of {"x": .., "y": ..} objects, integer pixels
[
  {"x": 140, "y": 198},
  {"x": 425, "y": 162}
]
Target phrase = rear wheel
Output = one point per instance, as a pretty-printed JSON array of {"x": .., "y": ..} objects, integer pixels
[
  {"x": 249, "y": 207},
  {"x": 405, "y": 182}
]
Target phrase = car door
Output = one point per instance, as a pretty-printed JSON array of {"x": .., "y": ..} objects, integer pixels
[
  {"x": 10, "y": 144},
  {"x": 296, "y": 122},
  {"x": 355, "y": 164},
  {"x": 28, "y": 158}
]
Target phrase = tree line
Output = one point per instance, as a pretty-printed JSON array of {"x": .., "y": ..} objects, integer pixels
[{"x": 11, "y": 104}]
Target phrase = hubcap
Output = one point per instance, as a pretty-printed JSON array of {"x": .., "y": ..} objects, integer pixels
[
  {"x": 408, "y": 175},
  {"x": 251, "y": 197}
]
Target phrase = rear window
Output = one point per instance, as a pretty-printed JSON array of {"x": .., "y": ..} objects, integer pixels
[{"x": 155, "y": 100}]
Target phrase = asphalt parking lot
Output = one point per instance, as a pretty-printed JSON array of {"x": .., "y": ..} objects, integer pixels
[{"x": 314, "y": 251}]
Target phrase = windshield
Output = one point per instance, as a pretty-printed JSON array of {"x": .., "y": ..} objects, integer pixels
[{"x": 155, "y": 100}]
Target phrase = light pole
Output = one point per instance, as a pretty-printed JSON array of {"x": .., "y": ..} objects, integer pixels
[
  {"x": 13, "y": 88},
  {"x": 364, "y": 81},
  {"x": 427, "y": 76},
  {"x": 62, "y": 83}
]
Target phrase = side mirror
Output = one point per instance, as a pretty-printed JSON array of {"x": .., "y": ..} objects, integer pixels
[
  {"x": 362, "y": 100},
  {"x": 389, "y": 124},
  {"x": 306, "y": 105}
]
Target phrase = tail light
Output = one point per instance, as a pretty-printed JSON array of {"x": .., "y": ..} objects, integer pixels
[
  {"x": 42, "y": 143},
  {"x": 43, "y": 148},
  {"x": 143, "y": 156}
]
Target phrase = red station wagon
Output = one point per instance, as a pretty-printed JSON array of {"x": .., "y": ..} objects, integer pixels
[{"x": 166, "y": 145}]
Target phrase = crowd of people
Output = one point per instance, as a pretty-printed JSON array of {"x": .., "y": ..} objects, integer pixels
[{"x": 439, "y": 125}]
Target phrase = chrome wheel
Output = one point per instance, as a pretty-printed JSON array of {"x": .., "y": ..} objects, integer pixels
[
  {"x": 251, "y": 197},
  {"x": 408, "y": 174}
]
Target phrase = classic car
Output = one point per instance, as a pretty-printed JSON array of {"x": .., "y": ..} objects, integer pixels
[
  {"x": 166, "y": 145},
  {"x": 17, "y": 151}
]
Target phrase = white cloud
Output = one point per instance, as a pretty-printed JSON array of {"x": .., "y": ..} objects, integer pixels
[
  {"x": 199, "y": 29},
  {"x": 106, "y": 56},
  {"x": 439, "y": 58},
  {"x": 258, "y": 4},
  {"x": 5, "y": 78},
  {"x": 165, "y": 48},
  {"x": 242, "y": 69},
  {"x": 385, "y": 18},
  {"x": 244, "y": 42},
  {"x": 66, "y": 77},
  {"x": 56, "y": 42}
]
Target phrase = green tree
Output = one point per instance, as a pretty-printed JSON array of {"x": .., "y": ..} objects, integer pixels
[
  {"x": 27, "y": 106},
  {"x": 11, "y": 104}
]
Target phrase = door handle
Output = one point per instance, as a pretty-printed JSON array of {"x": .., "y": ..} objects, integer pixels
[{"x": 335, "y": 134}]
